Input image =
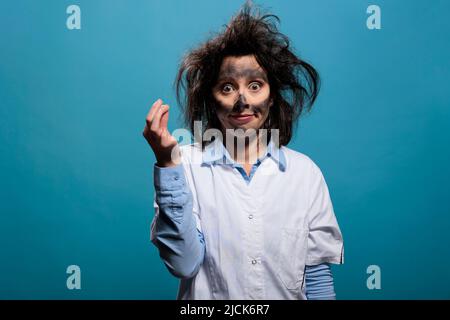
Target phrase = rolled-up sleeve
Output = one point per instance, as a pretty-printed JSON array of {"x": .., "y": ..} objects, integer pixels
[
  {"x": 174, "y": 228},
  {"x": 319, "y": 282}
]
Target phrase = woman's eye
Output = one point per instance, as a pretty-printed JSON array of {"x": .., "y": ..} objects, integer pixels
[
  {"x": 227, "y": 88},
  {"x": 255, "y": 86}
]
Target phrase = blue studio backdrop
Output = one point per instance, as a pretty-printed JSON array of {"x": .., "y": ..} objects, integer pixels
[{"x": 76, "y": 173}]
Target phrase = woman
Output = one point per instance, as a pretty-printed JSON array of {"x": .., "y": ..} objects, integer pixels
[{"x": 237, "y": 217}]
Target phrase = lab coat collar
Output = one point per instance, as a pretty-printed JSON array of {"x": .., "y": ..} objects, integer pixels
[{"x": 216, "y": 153}]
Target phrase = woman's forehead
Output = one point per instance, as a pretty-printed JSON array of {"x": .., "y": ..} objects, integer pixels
[{"x": 241, "y": 67}]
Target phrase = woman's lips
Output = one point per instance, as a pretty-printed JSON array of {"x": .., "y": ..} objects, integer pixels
[{"x": 242, "y": 118}]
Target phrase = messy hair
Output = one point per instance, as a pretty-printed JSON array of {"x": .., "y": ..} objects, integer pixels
[{"x": 294, "y": 84}]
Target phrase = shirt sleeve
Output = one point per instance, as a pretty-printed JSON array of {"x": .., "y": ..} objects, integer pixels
[
  {"x": 174, "y": 228},
  {"x": 325, "y": 242},
  {"x": 319, "y": 282}
]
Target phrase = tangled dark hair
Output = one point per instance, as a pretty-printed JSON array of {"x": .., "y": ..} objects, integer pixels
[{"x": 294, "y": 84}]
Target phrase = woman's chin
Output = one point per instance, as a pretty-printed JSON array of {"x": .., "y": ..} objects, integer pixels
[{"x": 244, "y": 129}]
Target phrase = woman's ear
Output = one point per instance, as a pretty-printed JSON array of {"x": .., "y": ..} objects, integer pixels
[{"x": 271, "y": 102}]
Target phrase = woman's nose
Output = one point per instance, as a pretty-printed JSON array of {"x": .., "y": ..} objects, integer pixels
[
  {"x": 240, "y": 104},
  {"x": 241, "y": 98}
]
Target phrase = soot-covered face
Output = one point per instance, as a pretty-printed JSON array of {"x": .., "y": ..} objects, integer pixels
[{"x": 242, "y": 94}]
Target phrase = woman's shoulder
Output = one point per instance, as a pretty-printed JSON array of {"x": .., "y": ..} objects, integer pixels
[
  {"x": 298, "y": 159},
  {"x": 302, "y": 166},
  {"x": 191, "y": 152}
]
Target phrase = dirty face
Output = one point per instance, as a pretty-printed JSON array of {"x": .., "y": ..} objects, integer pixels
[{"x": 242, "y": 94}]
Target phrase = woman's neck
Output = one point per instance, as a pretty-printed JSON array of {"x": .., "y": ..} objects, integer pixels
[{"x": 248, "y": 152}]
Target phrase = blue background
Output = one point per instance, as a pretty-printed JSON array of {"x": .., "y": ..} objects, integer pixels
[{"x": 76, "y": 173}]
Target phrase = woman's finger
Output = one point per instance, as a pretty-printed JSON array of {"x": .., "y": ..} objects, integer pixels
[
  {"x": 153, "y": 110},
  {"x": 165, "y": 118},
  {"x": 156, "y": 121}
]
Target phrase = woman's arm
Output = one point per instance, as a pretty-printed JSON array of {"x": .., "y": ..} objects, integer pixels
[
  {"x": 319, "y": 282},
  {"x": 174, "y": 231}
]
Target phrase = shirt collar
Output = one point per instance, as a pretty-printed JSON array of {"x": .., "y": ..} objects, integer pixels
[{"x": 216, "y": 153}]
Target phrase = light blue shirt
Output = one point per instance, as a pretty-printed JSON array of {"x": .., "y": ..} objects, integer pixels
[{"x": 177, "y": 234}]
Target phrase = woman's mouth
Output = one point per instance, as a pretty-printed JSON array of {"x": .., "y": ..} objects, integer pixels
[{"x": 242, "y": 118}]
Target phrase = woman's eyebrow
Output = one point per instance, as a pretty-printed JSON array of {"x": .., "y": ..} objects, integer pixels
[{"x": 233, "y": 73}]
